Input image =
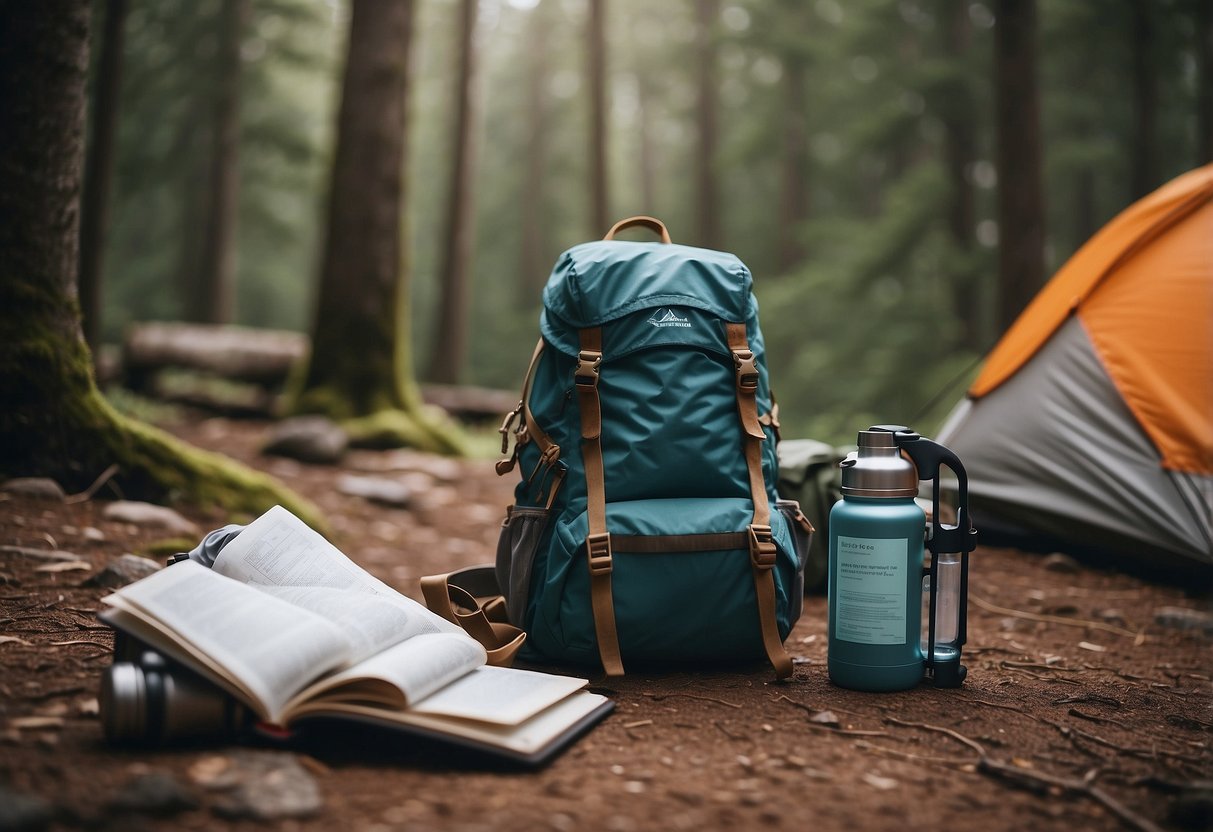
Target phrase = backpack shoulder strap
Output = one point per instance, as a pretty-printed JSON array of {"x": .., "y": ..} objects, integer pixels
[
  {"x": 472, "y": 599},
  {"x": 762, "y": 545},
  {"x": 598, "y": 538}
]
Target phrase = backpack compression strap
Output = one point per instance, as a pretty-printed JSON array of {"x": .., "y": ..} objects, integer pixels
[
  {"x": 762, "y": 546},
  {"x": 598, "y": 539}
]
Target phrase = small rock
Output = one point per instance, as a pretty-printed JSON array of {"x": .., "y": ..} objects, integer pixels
[
  {"x": 123, "y": 570},
  {"x": 1111, "y": 616},
  {"x": 93, "y": 534},
  {"x": 1057, "y": 562},
  {"x": 40, "y": 488},
  {"x": 262, "y": 785},
  {"x": 1182, "y": 618},
  {"x": 23, "y": 812},
  {"x": 376, "y": 489},
  {"x": 148, "y": 514},
  {"x": 156, "y": 793},
  {"x": 827, "y": 718},
  {"x": 313, "y": 439},
  {"x": 878, "y": 782}
]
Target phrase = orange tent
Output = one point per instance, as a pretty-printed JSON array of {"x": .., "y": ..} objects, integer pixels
[{"x": 1092, "y": 419}]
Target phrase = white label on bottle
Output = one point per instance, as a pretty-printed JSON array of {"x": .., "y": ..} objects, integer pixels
[{"x": 871, "y": 590}]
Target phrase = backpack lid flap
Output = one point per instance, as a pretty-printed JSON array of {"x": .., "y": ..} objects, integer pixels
[{"x": 600, "y": 281}]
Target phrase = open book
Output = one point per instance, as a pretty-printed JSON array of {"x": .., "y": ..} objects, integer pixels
[{"x": 294, "y": 629}]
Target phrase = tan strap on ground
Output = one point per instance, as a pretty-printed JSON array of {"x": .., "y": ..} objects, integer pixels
[
  {"x": 598, "y": 539},
  {"x": 465, "y": 597},
  {"x": 762, "y": 546},
  {"x": 652, "y": 223}
]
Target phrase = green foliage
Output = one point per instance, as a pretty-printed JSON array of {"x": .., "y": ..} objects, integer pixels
[{"x": 864, "y": 329}]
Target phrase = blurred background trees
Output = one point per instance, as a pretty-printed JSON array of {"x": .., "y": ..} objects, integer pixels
[{"x": 871, "y": 162}]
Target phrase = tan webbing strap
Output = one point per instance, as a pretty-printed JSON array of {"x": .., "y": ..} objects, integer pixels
[
  {"x": 483, "y": 622},
  {"x": 598, "y": 539},
  {"x": 762, "y": 545},
  {"x": 663, "y": 543}
]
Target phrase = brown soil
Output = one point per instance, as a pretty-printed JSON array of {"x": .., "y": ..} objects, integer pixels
[{"x": 1088, "y": 713}]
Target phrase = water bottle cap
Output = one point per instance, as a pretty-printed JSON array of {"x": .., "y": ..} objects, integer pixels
[{"x": 878, "y": 469}]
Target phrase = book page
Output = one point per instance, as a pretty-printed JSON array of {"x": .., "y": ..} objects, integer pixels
[
  {"x": 410, "y": 671},
  {"x": 271, "y": 648},
  {"x": 283, "y": 556},
  {"x": 501, "y": 695}
]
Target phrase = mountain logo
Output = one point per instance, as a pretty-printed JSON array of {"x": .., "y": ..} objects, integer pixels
[{"x": 667, "y": 317}]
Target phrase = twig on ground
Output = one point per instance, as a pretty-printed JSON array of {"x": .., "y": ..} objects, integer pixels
[
  {"x": 1053, "y": 619},
  {"x": 1094, "y": 718},
  {"x": 728, "y": 733},
  {"x": 845, "y": 732},
  {"x": 657, "y": 697},
  {"x": 951, "y": 762},
  {"x": 1000, "y": 706},
  {"x": 1133, "y": 751},
  {"x": 1089, "y": 699},
  {"x": 87, "y": 494},
  {"x": 1085, "y": 786}
]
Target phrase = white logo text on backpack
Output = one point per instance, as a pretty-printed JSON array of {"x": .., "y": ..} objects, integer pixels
[{"x": 667, "y": 317}]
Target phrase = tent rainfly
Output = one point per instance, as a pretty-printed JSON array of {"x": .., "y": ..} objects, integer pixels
[{"x": 1090, "y": 424}]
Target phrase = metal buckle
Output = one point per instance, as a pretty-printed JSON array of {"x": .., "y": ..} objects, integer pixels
[
  {"x": 504, "y": 430},
  {"x": 762, "y": 547},
  {"x": 747, "y": 370},
  {"x": 599, "y": 548},
  {"x": 588, "y": 364}
]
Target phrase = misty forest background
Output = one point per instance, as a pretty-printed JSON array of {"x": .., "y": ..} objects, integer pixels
[{"x": 852, "y": 154}]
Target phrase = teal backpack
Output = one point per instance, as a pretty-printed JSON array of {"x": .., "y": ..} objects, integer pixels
[{"x": 646, "y": 526}]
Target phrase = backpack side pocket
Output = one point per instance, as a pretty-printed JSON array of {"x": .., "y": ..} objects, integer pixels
[
  {"x": 802, "y": 539},
  {"x": 521, "y": 533}
]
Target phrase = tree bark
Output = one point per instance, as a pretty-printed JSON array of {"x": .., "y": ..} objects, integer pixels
[
  {"x": 1018, "y": 154},
  {"x": 707, "y": 217},
  {"x": 960, "y": 149},
  {"x": 448, "y": 353},
  {"x": 1145, "y": 101},
  {"x": 54, "y": 423},
  {"x": 216, "y": 288},
  {"x": 794, "y": 198},
  {"x": 1204, "y": 82},
  {"x": 98, "y": 171},
  {"x": 596, "y": 75},
  {"x": 532, "y": 245},
  {"x": 361, "y": 362}
]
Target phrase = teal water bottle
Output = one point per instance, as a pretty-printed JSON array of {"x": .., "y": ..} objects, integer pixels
[{"x": 877, "y": 641}]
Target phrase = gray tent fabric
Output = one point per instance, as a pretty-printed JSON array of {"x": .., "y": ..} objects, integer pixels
[{"x": 1055, "y": 451}]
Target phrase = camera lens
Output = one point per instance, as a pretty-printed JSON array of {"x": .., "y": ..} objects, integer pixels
[{"x": 152, "y": 702}]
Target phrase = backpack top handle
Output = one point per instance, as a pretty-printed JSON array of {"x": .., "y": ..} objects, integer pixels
[{"x": 652, "y": 223}]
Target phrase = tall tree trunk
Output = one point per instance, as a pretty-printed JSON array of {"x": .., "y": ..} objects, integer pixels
[
  {"x": 596, "y": 75},
  {"x": 1145, "y": 101},
  {"x": 1020, "y": 199},
  {"x": 647, "y": 169},
  {"x": 794, "y": 198},
  {"x": 1204, "y": 82},
  {"x": 99, "y": 169},
  {"x": 361, "y": 362},
  {"x": 707, "y": 219},
  {"x": 449, "y": 350},
  {"x": 532, "y": 245},
  {"x": 216, "y": 289},
  {"x": 54, "y": 423},
  {"x": 960, "y": 150}
]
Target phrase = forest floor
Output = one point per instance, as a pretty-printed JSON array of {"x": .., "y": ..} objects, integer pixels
[{"x": 1083, "y": 709}]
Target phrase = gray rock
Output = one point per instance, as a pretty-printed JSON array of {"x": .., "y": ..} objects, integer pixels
[
  {"x": 1183, "y": 618},
  {"x": 376, "y": 489},
  {"x": 263, "y": 785},
  {"x": 40, "y": 488},
  {"x": 148, "y": 514},
  {"x": 1057, "y": 562},
  {"x": 157, "y": 793},
  {"x": 23, "y": 812},
  {"x": 123, "y": 570},
  {"x": 313, "y": 439}
]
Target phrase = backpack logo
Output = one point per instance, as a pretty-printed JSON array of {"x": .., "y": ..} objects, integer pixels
[{"x": 667, "y": 317}]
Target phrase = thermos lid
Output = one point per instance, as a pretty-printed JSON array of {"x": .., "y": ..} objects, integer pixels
[
  {"x": 123, "y": 702},
  {"x": 877, "y": 468}
]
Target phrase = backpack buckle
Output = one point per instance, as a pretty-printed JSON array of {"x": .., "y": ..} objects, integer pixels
[
  {"x": 599, "y": 548},
  {"x": 762, "y": 547},
  {"x": 747, "y": 370},
  {"x": 588, "y": 364}
]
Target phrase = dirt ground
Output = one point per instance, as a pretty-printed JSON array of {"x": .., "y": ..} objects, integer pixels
[{"x": 1081, "y": 711}]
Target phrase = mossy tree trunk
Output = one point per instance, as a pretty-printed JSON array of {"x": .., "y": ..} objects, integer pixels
[
  {"x": 596, "y": 78},
  {"x": 54, "y": 421},
  {"x": 360, "y": 371}
]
